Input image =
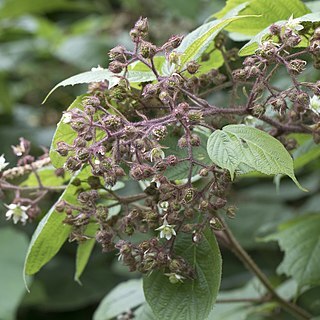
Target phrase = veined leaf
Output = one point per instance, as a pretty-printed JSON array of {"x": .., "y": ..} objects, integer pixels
[
  {"x": 242, "y": 148},
  {"x": 270, "y": 11},
  {"x": 196, "y": 42},
  {"x": 250, "y": 47},
  {"x": 300, "y": 241},
  {"x": 63, "y": 133},
  {"x": 95, "y": 75},
  {"x": 123, "y": 297},
  {"x": 191, "y": 299},
  {"x": 51, "y": 232},
  {"x": 84, "y": 250}
]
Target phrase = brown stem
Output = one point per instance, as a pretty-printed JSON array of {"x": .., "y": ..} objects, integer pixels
[{"x": 237, "y": 249}]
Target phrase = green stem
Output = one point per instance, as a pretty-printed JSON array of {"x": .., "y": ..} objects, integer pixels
[{"x": 237, "y": 249}]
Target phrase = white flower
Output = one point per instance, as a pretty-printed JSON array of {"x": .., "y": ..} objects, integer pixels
[
  {"x": 294, "y": 24},
  {"x": 314, "y": 104},
  {"x": 67, "y": 117},
  {"x": 3, "y": 162},
  {"x": 166, "y": 230},
  {"x": 174, "y": 278},
  {"x": 156, "y": 154},
  {"x": 17, "y": 212}
]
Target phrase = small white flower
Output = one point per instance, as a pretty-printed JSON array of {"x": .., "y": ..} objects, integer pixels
[
  {"x": 17, "y": 212},
  {"x": 19, "y": 150},
  {"x": 314, "y": 104},
  {"x": 174, "y": 278},
  {"x": 3, "y": 162},
  {"x": 67, "y": 117},
  {"x": 156, "y": 154},
  {"x": 166, "y": 230},
  {"x": 294, "y": 24}
]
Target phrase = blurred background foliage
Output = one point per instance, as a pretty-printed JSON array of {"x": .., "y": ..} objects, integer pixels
[{"x": 44, "y": 42}]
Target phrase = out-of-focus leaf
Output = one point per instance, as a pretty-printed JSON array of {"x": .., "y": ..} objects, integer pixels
[
  {"x": 299, "y": 239},
  {"x": 15, "y": 8},
  {"x": 13, "y": 246},
  {"x": 125, "y": 296}
]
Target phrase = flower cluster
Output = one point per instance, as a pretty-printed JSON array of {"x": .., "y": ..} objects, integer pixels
[{"x": 153, "y": 136}]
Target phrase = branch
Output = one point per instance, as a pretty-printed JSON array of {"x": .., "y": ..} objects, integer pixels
[{"x": 237, "y": 249}]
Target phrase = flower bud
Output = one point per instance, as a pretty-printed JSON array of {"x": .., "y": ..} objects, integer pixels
[
  {"x": 72, "y": 164},
  {"x": 192, "y": 67},
  {"x": 142, "y": 25},
  {"x": 195, "y": 140},
  {"x": 172, "y": 160},
  {"x": 118, "y": 53},
  {"x": 164, "y": 97},
  {"x": 116, "y": 66},
  {"x": 175, "y": 41},
  {"x": 140, "y": 172},
  {"x": 83, "y": 154},
  {"x": 216, "y": 224},
  {"x": 160, "y": 132},
  {"x": 148, "y": 50},
  {"x": 94, "y": 182}
]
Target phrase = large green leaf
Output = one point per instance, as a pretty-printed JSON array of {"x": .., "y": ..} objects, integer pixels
[
  {"x": 243, "y": 149},
  {"x": 51, "y": 232},
  {"x": 300, "y": 241},
  {"x": 63, "y": 133},
  {"x": 192, "y": 299},
  {"x": 270, "y": 11},
  {"x": 13, "y": 246},
  {"x": 196, "y": 42},
  {"x": 47, "y": 176},
  {"x": 84, "y": 250},
  {"x": 95, "y": 75},
  {"x": 250, "y": 47},
  {"x": 123, "y": 297}
]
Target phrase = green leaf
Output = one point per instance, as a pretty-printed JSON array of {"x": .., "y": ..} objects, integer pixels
[
  {"x": 270, "y": 11},
  {"x": 64, "y": 133},
  {"x": 51, "y": 232},
  {"x": 215, "y": 60},
  {"x": 48, "y": 178},
  {"x": 125, "y": 296},
  {"x": 144, "y": 313},
  {"x": 250, "y": 47},
  {"x": 96, "y": 75},
  {"x": 84, "y": 251},
  {"x": 243, "y": 149},
  {"x": 306, "y": 153},
  {"x": 192, "y": 299},
  {"x": 300, "y": 241},
  {"x": 16, "y": 8},
  {"x": 196, "y": 42},
  {"x": 13, "y": 246}
]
